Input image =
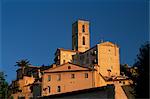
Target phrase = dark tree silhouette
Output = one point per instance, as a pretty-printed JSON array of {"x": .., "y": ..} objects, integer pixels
[
  {"x": 24, "y": 63},
  {"x": 142, "y": 81},
  {"x": 3, "y": 86}
]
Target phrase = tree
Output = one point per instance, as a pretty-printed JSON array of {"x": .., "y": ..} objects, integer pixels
[
  {"x": 142, "y": 81},
  {"x": 3, "y": 86},
  {"x": 125, "y": 69},
  {"x": 24, "y": 63}
]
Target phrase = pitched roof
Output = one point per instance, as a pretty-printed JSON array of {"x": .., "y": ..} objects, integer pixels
[
  {"x": 91, "y": 93},
  {"x": 71, "y": 70},
  {"x": 108, "y": 43}
]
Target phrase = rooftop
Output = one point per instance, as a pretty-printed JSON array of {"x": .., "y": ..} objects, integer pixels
[{"x": 92, "y": 93}]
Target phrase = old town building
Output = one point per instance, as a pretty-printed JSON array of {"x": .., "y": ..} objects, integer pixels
[{"x": 77, "y": 69}]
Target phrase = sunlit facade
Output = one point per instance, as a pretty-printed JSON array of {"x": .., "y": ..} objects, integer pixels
[{"x": 80, "y": 68}]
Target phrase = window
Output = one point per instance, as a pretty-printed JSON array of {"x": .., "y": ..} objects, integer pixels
[
  {"x": 72, "y": 75},
  {"x": 58, "y": 77},
  {"x": 83, "y": 28},
  {"x": 94, "y": 61},
  {"x": 83, "y": 40},
  {"x": 64, "y": 61},
  {"x": 49, "y": 89},
  {"x": 86, "y": 75},
  {"x": 49, "y": 77},
  {"x": 58, "y": 89},
  {"x": 69, "y": 67},
  {"x": 95, "y": 52},
  {"x": 123, "y": 82}
]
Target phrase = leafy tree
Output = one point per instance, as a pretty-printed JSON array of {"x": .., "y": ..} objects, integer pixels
[
  {"x": 142, "y": 81},
  {"x": 24, "y": 63},
  {"x": 125, "y": 69},
  {"x": 3, "y": 86}
]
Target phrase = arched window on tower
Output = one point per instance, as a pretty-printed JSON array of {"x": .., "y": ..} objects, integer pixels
[
  {"x": 83, "y": 40},
  {"x": 83, "y": 28}
]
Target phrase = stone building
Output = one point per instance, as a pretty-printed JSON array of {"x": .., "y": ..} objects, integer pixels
[
  {"x": 80, "y": 68},
  {"x": 66, "y": 78},
  {"x": 105, "y": 54},
  {"x": 80, "y": 36},
  {"x": 63, "y": 56},
  {"x": 21, "y": 87}
]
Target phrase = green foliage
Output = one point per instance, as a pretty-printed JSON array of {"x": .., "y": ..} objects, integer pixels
[
  {"x": 23, "y": 63},
  {"x": 142, "y": 81},
  {"x": 3, "y": 86}
]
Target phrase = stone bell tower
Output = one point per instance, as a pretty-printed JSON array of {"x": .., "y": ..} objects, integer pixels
[{"x": 80, "y": 36}]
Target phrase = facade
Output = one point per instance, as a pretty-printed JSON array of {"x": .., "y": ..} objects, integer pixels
[
  {"x": 80, "y": 36},
  {"x": 22, "y": 86},
  {"x": 77, "y": 69},
  {"x": 63, "y": 56},
  {"x": 66, "y": 78},
  {"x": 105, "y": 54}
]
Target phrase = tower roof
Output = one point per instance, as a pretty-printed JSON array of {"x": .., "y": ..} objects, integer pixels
[{"x": 81, "y": 20}]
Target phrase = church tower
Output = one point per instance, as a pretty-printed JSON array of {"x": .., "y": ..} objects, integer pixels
[{"x": 80, "y": 36}]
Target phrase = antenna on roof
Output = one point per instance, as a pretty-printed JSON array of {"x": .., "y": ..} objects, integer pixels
[
  {"x": 101, "y": 41},
  {"x": 101, "y": 38}
]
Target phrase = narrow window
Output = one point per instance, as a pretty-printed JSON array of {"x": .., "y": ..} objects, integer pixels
[
  {"x": 58, "y": 89},
  {"x": 123, "y": 82},
  {"x": 72, "y": 75},
  {"x": 83, "y": 28},
  {"x": 86, "y": 75},
  {"x": 49, "y": 77},
  {"x": 83, "y": 40},
  {"x": 49, "y": 89},
  {"x": 58, "y": 77},
  {"x": 64, "y": 61}
]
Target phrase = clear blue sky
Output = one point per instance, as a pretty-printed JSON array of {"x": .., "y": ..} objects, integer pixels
[{"x": 34, "y": 29}]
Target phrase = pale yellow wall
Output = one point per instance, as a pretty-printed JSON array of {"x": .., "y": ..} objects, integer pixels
[
  {"x": 66, "y": 55},
  {"x": 67, "y": 83},
  {"x": 86, "y": 34},
  {"x": 77, "y": 36},
  {"x": 98, "y": 77},
  {"x": 108, "y": 58},
  {"x": 63, "y": 56},
  {"x": 106, "y": 55},
  {"x": 22, "y": 83}
]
